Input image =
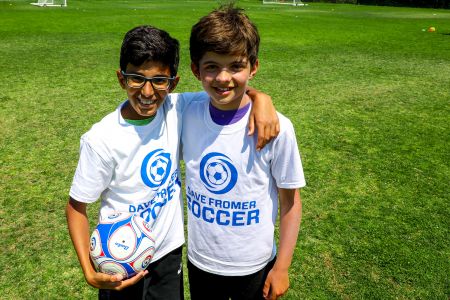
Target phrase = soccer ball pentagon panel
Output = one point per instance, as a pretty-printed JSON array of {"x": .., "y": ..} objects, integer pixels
[
  {"x": 216, "y": 173},
  {"x": 122, "y": 244},
  {"x": 158, "y": 169}
]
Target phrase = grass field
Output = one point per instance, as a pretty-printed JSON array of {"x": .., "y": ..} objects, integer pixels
[{"x": 366, "y": 88}]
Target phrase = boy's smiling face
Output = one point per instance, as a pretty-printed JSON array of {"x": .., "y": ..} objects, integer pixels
[
  {"x": 145, "y": 101},
  {"x": 225, "y": 77}
]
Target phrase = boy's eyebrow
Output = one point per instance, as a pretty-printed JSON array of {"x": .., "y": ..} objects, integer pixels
[
  {"x": 141, "y": 74},
  {"x": 243, "y": 60},
  {"x": 133, "y": 73},
  {"x": 209, "y": 62}
]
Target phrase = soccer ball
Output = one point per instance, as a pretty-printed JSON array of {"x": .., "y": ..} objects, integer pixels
[
  {"x": 122, "y": 244},
  {"x": 158, "y": 169},
  {"x": 216, "y": 173}
]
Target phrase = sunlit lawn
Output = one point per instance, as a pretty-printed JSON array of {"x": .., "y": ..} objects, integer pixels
[{"x": 367, "y": 89}]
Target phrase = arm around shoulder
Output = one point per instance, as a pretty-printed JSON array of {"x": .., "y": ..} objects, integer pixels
[{"x": 264, "y": 117}]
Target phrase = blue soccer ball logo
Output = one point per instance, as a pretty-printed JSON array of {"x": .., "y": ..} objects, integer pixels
[
  {"x": 217, "y": 174},
  {"x": 158, "y": 169}
]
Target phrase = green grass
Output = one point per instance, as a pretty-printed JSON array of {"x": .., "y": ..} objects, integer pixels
[{"x": 368, "y": 92}]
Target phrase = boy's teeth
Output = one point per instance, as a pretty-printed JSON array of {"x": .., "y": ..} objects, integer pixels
[{"x": 146, "y": 101}]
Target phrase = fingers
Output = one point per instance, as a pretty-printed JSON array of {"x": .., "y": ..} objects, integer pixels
[
  {"x": 117, "y": 282},
  {"x": 116, "y": 277},
  {"x": 262, "y": 140},
  {"x": 266, "y": 133},
  {"x": 266, "y": 128},
  {"x": 251, "y": 125},
  {"x": 266, "y": 289},
  {"x": 106, "y": 281},
  {"x": 274, "y": 288},
  {"x": 272, "y": 294},
  {"x": 136, "y": 278},
  {"x": 276, "y": 130},
  {"x": 262, "y": 135},
  {"x": 107, "y": 278},
  {"x": 132, "y": 281}
]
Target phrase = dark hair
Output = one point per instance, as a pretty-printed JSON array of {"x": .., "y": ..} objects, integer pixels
[
  {"x": 226, "y": 30},
  {"x": 147, "y": 43}
]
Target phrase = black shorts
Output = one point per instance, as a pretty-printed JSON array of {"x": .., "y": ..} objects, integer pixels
[
  {"x": 204, "y": 285},
  {"x": 164, "y": 281}
]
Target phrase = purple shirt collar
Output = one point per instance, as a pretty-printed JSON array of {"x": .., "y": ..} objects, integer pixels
[{"x": 227, "y": 117}]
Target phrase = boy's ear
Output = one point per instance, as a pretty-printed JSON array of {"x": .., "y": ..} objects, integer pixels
[
  {"x": 121, "y": 79},
  {"x": 174, "y": 84},
  {"x": 195, "y": 70},
  {"x": 254, "y": 69}
]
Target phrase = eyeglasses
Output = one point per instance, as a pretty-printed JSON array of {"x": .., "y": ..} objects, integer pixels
[{"x": 136, "y": 81}]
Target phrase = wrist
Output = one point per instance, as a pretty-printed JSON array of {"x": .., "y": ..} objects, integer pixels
[
  {"x": 280, "y": 266},
  {"x": 89, "y": 272},
  {"x": 250, "y": 91}
]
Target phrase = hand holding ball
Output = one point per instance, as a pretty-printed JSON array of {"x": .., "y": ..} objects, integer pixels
[{"x": 122, "y": 244}]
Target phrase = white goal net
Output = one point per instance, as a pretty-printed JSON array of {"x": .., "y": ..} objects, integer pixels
[
  {"x": 287, "y": 2},
  {"x": 43, "y": 3}
]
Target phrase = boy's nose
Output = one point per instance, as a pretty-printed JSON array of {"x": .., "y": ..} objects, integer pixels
[
  {"x": 147, "y": 90},
  {"x": 223, "y": 76}
]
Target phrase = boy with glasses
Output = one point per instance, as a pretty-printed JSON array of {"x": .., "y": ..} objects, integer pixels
[
  {"x": 116, "y": 159},
  {"x": 232, "y": 190}
]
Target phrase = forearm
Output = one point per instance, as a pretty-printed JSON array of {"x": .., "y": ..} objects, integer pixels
[
  {"x": 290, "y": 219},
  {"x": 78, "y": 225},
  {"x": 277, "y": 281}
]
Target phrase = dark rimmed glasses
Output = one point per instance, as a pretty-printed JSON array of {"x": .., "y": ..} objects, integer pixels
[{"x": 136, "y": 81}]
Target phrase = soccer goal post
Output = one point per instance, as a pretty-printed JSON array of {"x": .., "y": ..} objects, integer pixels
[
  {"x": 43, "y": 3},
  {"x": 287, "y": 2}
]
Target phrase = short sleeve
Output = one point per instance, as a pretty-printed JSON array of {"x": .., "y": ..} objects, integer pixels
[
  {"x": 92, "y": 176},
  {"x": 287, "y": 168},
  {"x": 188, "y": 97}
]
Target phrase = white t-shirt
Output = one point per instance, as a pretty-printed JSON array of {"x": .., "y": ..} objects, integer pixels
[
  {"x": 231, "y": 191},
  {"x": 136, "y": 169}
]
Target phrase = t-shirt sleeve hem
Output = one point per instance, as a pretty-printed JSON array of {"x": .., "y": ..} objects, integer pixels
[
  {"x": 294, "y": 185},
  {"x": 82, "y": 199}
]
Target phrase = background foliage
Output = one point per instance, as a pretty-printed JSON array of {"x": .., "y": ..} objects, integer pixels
[{"x": 368, "y": 91}]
